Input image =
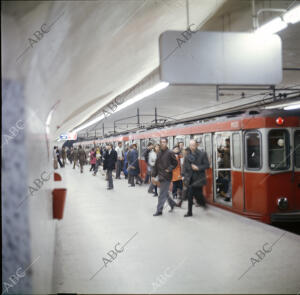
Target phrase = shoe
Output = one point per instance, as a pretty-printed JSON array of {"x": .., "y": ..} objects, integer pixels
[
  {"x": 131, "y": 185},
  {"x": 171, "y": 210},
  {"x": 157, "y": 214},
  {"x": 108, "y": 188},
  {"x": 227, "y": 199},
  {"x": 188, "y": 215},
  {"x": 179, "y": 204},
  {"x": 155, "y": 195}
]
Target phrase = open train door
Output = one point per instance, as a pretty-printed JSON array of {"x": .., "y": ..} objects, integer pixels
[{"x": 222, "y": 151}]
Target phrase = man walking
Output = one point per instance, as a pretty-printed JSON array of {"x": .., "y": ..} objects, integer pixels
[
  {"x": 164, "y": 164},
  {"x": 120, "y": 155},
  {"x": 81, "y": 157},
  {"x": 194, "y": 166},
  {"x": 110, "y": 164}
]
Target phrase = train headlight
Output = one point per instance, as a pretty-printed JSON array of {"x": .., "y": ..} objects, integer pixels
[{"x": 282, "y": 203}]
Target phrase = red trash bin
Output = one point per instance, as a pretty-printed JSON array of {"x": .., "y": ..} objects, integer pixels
[{"x": 59, "y": 198}]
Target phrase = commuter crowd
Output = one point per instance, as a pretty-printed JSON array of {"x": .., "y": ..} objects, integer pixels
[{"x": 173, "y": 176}]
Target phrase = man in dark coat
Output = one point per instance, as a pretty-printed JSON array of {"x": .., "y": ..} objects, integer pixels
[
  {"x": 164, "y": 164},
  {"x": 81, "y": 158},
  {"x": 194, "y": 166},
  {"x": 110, "y": 159},
  {"x": 133, "y": 166}
]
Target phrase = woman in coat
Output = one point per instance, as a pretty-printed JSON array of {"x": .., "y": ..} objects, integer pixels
[
  {"x": 133, "y": 166},
  {"x": 176, "y": 174},
  {"x": 93, "y": 159}
]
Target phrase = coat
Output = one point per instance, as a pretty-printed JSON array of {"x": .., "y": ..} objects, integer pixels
[
  {"x": 191, "y": 177},
  {"x": 133, "y": 163},
  {"x": 176, "y": 173},
  {"x": 93, "y": 158},
  {"x": 110, "y": 159},
  {"x": 166, "y": 160},
  {"x": 81, "y": 156}
]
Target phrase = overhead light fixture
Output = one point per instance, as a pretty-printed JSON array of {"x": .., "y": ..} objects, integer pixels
[
  {"x": 142, "y": 95},
  {"x": 272, "y": 27},
  {"x": 138, "y": 97},
  {"x": 292, "y": 107},
  {"x": 293, "y": 15}
]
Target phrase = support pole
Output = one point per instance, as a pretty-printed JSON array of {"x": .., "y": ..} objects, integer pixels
[
  {"x": 217, "y": 92},
  {"x": 138, "y": 117},
  {"x": 155, "y": 116},
  {"x": 103, "y": 129}
]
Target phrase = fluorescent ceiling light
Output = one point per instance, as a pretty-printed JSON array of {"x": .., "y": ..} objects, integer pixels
[
  {"x": 292, "y": 16},
  {"x": 127, "y": 103},
  {"x": 292, "y": 107},
  {"x": 272, "y": 27},
  {"x": 142, "y": 95}
]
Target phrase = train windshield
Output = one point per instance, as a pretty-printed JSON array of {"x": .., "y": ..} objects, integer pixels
[{"x": 279, "y": 158}]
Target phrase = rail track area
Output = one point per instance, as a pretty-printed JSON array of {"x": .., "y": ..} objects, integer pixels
[{"x": 109, "y": 242}]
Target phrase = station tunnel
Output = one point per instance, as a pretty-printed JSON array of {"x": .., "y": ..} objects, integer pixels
[{"x": 91, "y": 90}]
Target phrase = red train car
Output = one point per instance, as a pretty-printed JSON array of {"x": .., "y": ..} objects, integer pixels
[{"x": 254, "y": 161}]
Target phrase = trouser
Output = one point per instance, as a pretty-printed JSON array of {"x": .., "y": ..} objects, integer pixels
[
  {"x": 98, "y": 162},
  {"x": 118, "y": 168},
  {"x": 132, "y": 177},
  {"x": 59, "y": 161},
  {"x": 198, "y": 194},
  {"x": 148, "y": 174},
  {"x": 75, "y": 163},
  {"x": 164, "y": 196},
  {"x": 177, "y": 185},
  {"x": 151, "y": 187},
  {"x": 64, "y": 161},
  {"x": 81, "y": 166},
  {"x": 93, "y": 167},
  {"x": 110, "y": 179}
]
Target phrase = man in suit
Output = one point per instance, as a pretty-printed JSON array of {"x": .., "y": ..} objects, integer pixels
[
  {"x": 194, "y": 166},
  {"x": 109, "y": 164},
  {"x": 164, "y": 164}
]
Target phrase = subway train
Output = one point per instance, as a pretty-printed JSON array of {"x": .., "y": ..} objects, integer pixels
[{"x": 254, "y": 160}]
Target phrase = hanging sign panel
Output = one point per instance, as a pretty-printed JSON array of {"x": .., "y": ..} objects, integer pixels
[{"x": 219, "y": 58}]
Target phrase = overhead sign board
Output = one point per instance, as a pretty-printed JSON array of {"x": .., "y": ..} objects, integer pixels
[
  {"x": 68, "y": 136},
  {"x": 217, "y": 58}
]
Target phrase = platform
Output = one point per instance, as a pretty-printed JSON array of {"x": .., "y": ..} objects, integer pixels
[{"x": 212, "y": 252}]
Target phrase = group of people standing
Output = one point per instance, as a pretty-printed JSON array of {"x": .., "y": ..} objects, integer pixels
[{"x": 183, "y": 167}]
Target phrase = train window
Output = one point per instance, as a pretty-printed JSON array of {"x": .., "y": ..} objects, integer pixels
[
  {"x": 253, "y": 150},
  {"x": 199, "y": 140},
  {"x": 297, "y": 149},
  {"x": 170, "y": 142},
  {"x": 143, "y": 148},
  {"x": 279, "y": 149},
  {"x": 236, "y": 149},
  {"x": 178, "y": 139},
  {"x": 207, "y": 145}
]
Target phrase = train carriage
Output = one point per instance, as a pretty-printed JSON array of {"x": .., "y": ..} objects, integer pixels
[{"x": 254, "y": 161}]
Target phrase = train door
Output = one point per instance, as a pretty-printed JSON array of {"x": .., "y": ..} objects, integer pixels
[
  {"x": 296, "y": 165},
  {"x": 207, "y": 147},
  {"x": 222, "y": 151}
]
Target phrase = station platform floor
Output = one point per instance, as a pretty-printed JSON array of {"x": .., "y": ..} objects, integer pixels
[{"x": 109, "y": 242}]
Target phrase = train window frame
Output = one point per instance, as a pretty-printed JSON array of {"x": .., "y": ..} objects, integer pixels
[
  {"x": 141, "y": 151},
  {"x": 233, "y": 151},
  {"x": 295, "y": 163},
  {"x": 210, "y": 152},
  {"x": 287, "y": 149},
  {"x": 260, "y": 151}
]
